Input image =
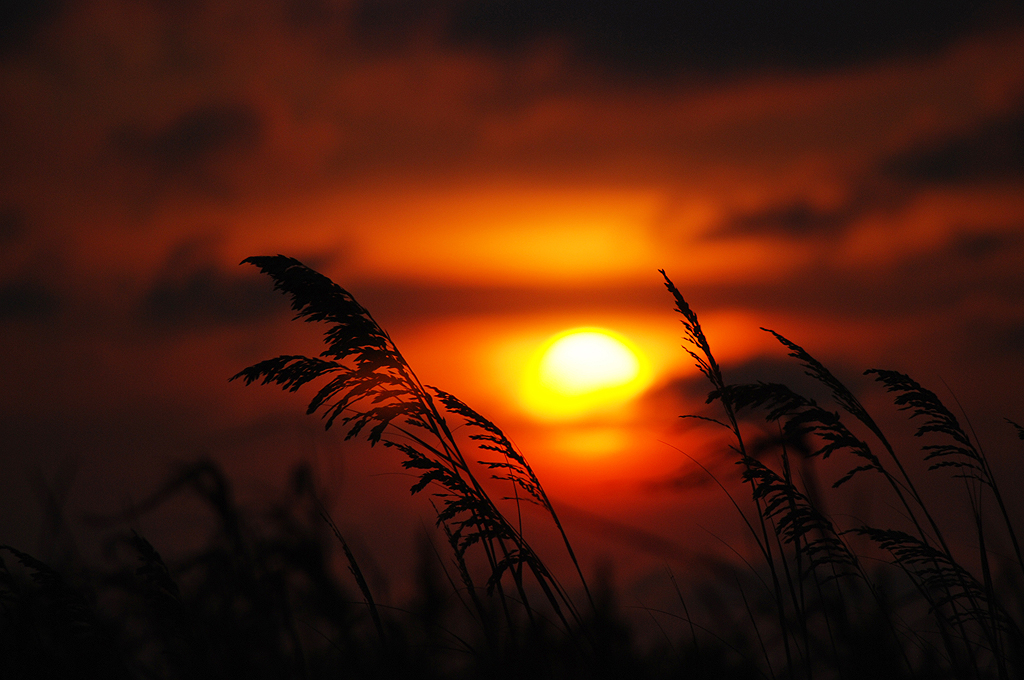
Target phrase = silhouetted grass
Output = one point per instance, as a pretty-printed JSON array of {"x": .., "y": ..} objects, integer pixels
[{"x": 824, "y": 598}]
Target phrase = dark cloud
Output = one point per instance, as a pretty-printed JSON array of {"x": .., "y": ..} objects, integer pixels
[
  {"x": 796, "y": 219},
  {"x": 188, "y": 145},
  {"x": 802, "y": 218},
  {"x": 206, "y": 297},
  {"x": 1006, "y": 338},
  {"x": 193, "y": 291},
  {"x": 991, "y": 337},
  {"x": 305, "y": 14},
  {"x": 22, "y": 295},
  {"x": 985, "y": 245},
  {"x": 197, "y": 135},
  {"x": 384, "y": 24},
  {"x": 21, "y": 20},
  {"x": 992, "y": 152},
  {"x": 721, "y": 36},
  {"x": 13, "y": 225},
  {"x": 984, "y": 259},
  {"x": 970, "y": 267},
  {"x": 27, "y": 300}
]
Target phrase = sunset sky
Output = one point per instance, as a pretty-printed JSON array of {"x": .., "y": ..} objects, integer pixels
[{"x": 482, "y": 176}]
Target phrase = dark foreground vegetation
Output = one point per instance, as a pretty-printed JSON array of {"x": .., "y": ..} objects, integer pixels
[{"x": 273, "y": 598}]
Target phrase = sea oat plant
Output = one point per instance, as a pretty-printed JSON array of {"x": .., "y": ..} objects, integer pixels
[
  {"x": 372, "y": 390},
  {"x": 804, "y": 548},
  {"x": 273, "y": 607}
]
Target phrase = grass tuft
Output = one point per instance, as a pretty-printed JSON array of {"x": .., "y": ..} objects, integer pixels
[{"x": 824, "y": 595}]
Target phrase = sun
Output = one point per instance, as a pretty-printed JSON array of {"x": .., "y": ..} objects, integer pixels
[
  {"x": 585, "y": 361},
  {"x": 583, "y": 370}
]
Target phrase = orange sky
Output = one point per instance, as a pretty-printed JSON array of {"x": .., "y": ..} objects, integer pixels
[{"x": 480, "y": 182}]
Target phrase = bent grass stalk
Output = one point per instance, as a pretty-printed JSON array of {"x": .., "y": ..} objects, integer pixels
[
  {"x": 956, "y": 598},
  {"x": 371, "y": 389},
  {"x": 809, "y": 558}
]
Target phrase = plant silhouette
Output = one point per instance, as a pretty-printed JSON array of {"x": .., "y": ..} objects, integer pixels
[
  {"x": 372, "y": 387},
  {"x": 824, "y": 596}
]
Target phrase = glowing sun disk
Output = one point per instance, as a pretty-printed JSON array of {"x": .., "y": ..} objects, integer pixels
[
  {"x": 581, "y": 370},
  {"x": 586, "y": 361}
]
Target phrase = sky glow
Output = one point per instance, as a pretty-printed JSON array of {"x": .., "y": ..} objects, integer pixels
[{"x": 481, "y": 182}]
